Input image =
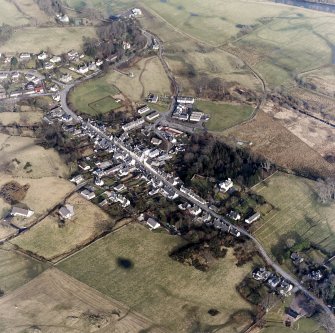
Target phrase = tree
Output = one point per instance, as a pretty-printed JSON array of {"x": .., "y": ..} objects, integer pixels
[
  {"x": 325, "y": 189},
  {"x": 13, "y": 63}
]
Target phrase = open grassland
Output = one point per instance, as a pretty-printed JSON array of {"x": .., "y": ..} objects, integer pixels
[
  {"x": 16, "y": 152},
  {"x": 149, "y": 76},
  {"x": 317, "y": 135},
  {"x": 133, "y": 267},
  {"x": 222, "y": 115},
  {"x": 11, "y": 15},
  {"x": 272, "y": 140},
  {"x": 23, "y": 118},
  {"x": 94, "y": 96},
  {"x": 297, "y": 214},
  {"x": 56, "y": 303},
  {"x": 50, "y": 240},
  {"x": 16, "y": 270},
  {"x": 35, "y": 39},
  {"x": 43, "y": 193}
]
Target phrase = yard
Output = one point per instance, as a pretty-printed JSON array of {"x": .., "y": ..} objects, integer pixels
[
  {"x": 223, "y": 116},
  {"x": 134, "y": 268},
  {"x": 297, "y": 214},
  {"x": 51, "y": 241},
  {"x": 95, "y": 96},
  {"x": 35, "y": 39}
]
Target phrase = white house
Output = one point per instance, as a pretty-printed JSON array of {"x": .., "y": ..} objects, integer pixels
[
  {"x": 49, "y": 66},
  {"x": 66, "y": 78},
  {"x": 42, "y": 56},
  {"x": 82, "y": 69},
  {"x": 63, "y": 18},
  {"x": 17, "y": 211},
  {"x": 252, "y": 218},
  {"x": 55, "y": 59},
  {"x": 120, "y": 188},
  {"x": 15, "y": 76},
  {"x": 77, "y": 180},
  {"x": 3, "y": 76},
  {"x": 66, "y": 212},
  {"x": 226, "y": 185},
  {"x": 143, "y": 109},
  {"x": 126, "y": 45},
  {"x": 152, "y": 223},
  {"x": 136, "y": 12},
  {"x": 25, "y": 56},
  {"x": 87, "y": 194},
  {"x": 195, "y": 210}
]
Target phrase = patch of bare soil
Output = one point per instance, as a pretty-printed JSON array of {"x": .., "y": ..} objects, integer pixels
[
  {"x": 13, "y": 192},
  {"x": 54, "y": 302},
  {"x": 271, "y": 139}
]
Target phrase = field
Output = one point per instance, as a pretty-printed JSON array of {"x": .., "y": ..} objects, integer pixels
[
  {"x": 272, "y": 140},
  {"x": 223, "y": 116},
  {"x": 297, "y": 214},
  {"x": 49, "y": 240},
  {"x": 94, "y": 96},
  {"x": 35, "y": 39},
  {"x": 16, "y": 270},
  {"x": 141, "y": 274},
  {"x": 11, "y": 15},
  {"x": 16, "y": 152},
  {"x": 149, "y": 76},
  {"x": 23, "y": 118},
  {"x": 56, "y": 303}
]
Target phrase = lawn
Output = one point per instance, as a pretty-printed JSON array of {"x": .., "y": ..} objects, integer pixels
[
  {"x": 49, "y": 240},
  {"x": 94, "y": 96},
  {"x": 16, "y": 269},
  {"x": 222, "y": 115},
  {"x": 133, "y": 267},
  {"x": 35, "y": 39},
  {"x": 297, "y": 214}
]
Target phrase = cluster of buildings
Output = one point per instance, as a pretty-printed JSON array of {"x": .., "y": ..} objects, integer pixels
[{"x": 183, "y": 110}]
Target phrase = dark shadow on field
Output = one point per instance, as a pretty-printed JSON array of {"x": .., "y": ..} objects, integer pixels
[{"x": 124, "y": 263}]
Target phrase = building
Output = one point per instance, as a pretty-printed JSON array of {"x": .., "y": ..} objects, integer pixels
[
  {"x": 87, "y": 194},
  {"x": 17, "y": 211},
  {"x": 120, "y": 188},
  {"x": 126, "y": 45},
  {"x": 15, "y": 76},
  {"x": 72, "y": 55},
  {"x": 234, "y": 215},
  {"x": 252, "y": 218},
  {"x": 156, "y": 141},
  {"x": 42, "y": 56},
  {"x": 195, "y": 210},
  {"x": 25, "y": 56},
  {"x": 48, "y": 66},
  {"x": 152, "y": 223},
  {"x": 133, "y": 125},
  {"x": 185, "y": 100},
  {"x": 77, "y": 179},
  {"x": 226, "y": 185},
  {"x": 196, "y": 116},
  {"x": 143, "y": 109},
  {"x": 3, "y": 76},
  {"x": 66, "y": 78},
  {"x": 261, "y": 274},
  {"x": 55, "y": 59},
  {"x": 66, "y": 211},
  {"x": 273, "y": 281},
  {"x": 152, "y": 116},
  {"x": 63, "y": 18},
  {"x": 82, "y": 69},
  {"x": 136, "y": 12}
]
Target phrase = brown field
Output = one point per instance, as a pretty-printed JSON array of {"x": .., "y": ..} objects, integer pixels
[
  {"x": 317, "y": 135},
  {"x": 30, "y": 10},
  {"x": 43, "y": 193},
  {"x": 16, "y": 152},
  {"x": 49, "y": 240},
  {"x": 272, "y": 140},
  {"x": 23, "y": 118},
  {"x": 149, "y": 76},
  {"x": 54, "y": 302}
]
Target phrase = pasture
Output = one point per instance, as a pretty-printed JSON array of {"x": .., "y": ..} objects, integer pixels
[
  {"x": 11, "y": 15},
  {"x": 134, "y": 267},
  {"x": 297, "y": 214},
  {"x": 94, "y": 96},
  {"x": 35, "y": 39},
  {"x": 23, "y": 118},
  {"x": 55, "y": 302},
  {"x": 16, "y": 269},
  {"x": 149, "y": 77},
  {"x": 222, "y": 115},
  {"x": 51, "y": 240}
]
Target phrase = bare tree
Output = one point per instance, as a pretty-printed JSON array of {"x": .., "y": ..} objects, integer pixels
[{"x": 325, "y": 189}]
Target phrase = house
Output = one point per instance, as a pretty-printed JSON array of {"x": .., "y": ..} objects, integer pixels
[
  {"x": 185, "y": 100},
  {"x": 273, "y": 281},
  {"x": 17, "y": 211},
  {"x": 196, "y": 116},
  {"x": 234, "y": 215},
  {"x": 296, "y": 258},
  {"x": 77, "y": 180},
  {"x": 82, "y": 69},
  {"x": 195, "y": 210},
  {"x": 24, "y": 56},
  {"x": 54, "y": 88},
  {"x": 72, "y": 55},
  {"x": 87, "y": 194},
  {"x": 99, "y": 62},
  {"x": 155, "y": 45},
  {"x": 56, "y": 59},
  {"x": 66, "y": 78},
  {"x": 42, "y": 56},
  {"x": 30, "y": 86},
  {"x": 39, "y": 90},
  {"x": 49, "y": 66},
  {"x": 154, "y": 153},
  {"x": 66, "y": 211},
  {"x": 143, "y": 109},
  {"x": 133, "y": 125},
  {"x": 261, "y": 274},
  {"x": 15, "y": 76},
  {"x": 252, "y": 218},
  {"x": 285, "y": 288},
  {"x": 156, "y": 142},
  {"x": 92, "y": 66},
  {"x": 152, "y": 116},
  {"x": 63, "y": 18},
  {"x": 235, "y": 232},
  {"x": 226, "y": 185},
  {"x": 3, "y": 76},
  {"x": 98, "y": 181},
  {"x": 152, "y": 223},
  {"x": 316, "y": 275},
  {"x": 120, "y": 188},
  {"x": 56, "y": 97},
  {"x": 126, "y": 45},
  {"x": 136, "y": 12},
  {"x": 153, "y": 98}
]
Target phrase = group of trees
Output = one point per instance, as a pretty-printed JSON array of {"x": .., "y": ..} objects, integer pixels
[
  {"x": 213, "y": 88},
  {"x": 325, "y": 189},
  {"x": 50, "y": 7},
  {"x": 6, "y": 32},
  {"x": 210, "y": 157},
  {"x": 111, "y": 37}
]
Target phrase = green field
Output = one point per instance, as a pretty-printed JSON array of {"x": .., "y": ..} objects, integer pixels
[
  {"x": 297, "y": 214},
  {"x": 223, "y": 116},
  {"x": 94, "y": 96},
  {"x": 16, "y": 270},
  {"x": 35, "y": 39},
  {"x": 171, "y": 294}
]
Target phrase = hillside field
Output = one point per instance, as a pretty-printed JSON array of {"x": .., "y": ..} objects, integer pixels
[
  {"x": 297, "y": 214},
  {"x": 134, "y": 267}
]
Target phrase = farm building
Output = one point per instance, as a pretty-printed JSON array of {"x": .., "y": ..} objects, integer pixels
[
  {"x": 87, "y": 194},
  {"x": 66, "y": 212},
  {"x": 17, "y": 211},
  {"x": 252, "y": 218}
]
